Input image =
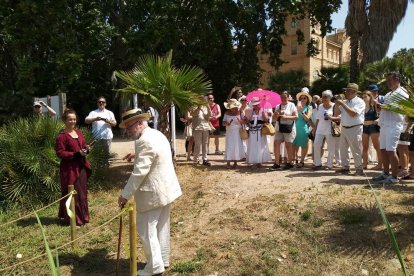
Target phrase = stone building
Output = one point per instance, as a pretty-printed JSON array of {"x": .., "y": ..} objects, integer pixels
[{"x": 334, "y": 51}]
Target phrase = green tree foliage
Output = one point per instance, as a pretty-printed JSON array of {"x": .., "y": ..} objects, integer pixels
[
  {"x": 332, "y": 78},
  {"x": 292, "y": 81},
  {"x": 29, "y": 167},
  {"x": 74, "y": 46},
  {"x": 163, "y": 84},
  {"x": 402, "y": 62}
]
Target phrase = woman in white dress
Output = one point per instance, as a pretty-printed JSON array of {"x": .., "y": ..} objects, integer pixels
[
  {"x": 232, "y": 122},
  {"x": 257, "y": 147},
  {"x": 243, "y": 108}
]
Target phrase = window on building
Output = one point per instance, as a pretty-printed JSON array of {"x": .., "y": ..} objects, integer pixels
[
  {"x": 294, "y": 24},
  {"x": 294, "y": 48}
]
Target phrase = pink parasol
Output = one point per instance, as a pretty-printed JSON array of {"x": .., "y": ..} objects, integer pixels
[{"x": 268, "y": 99}]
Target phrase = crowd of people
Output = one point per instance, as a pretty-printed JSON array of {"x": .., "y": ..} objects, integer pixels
[{"x": 350, "y": 124}]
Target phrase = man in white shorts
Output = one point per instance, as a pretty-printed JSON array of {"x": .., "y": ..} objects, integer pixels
[{"x": 391, "y": 124}]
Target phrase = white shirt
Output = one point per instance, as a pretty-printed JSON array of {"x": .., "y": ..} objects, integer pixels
[
  {"x": 100, "y": 129},
  {"x": 288, "y": 109},
  {"x": 356, "y": 104},
  {"x": 324, "y": 126},
  {"x": 389, "y": 118}
]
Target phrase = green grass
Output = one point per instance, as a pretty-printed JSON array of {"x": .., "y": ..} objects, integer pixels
[
  {"x": 352, "y": 216},
  {"x": 186, "y": 267},
  {"x": 306, "y": 215}
]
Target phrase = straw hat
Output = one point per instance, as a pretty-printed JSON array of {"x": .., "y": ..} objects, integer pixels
[
  {"x": 255, "y": 101},
  {"x": 304, "y": 93},
  {"x": 232, "y": 103},
  {"x": 352, "y": 86},
  {"x": 132, "y": 115}
]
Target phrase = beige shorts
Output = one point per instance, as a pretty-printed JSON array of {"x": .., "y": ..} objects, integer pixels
[{"x": 285, "y": 137}]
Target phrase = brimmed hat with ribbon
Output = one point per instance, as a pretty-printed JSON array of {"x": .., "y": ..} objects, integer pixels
[
  {"x": 255, "y": 101},
  {"x": 133, "y": 114},
  {"x": 232, "y": 103},
  {"x": 352, "y": 86},
  {"x": 304, "y": 93}
]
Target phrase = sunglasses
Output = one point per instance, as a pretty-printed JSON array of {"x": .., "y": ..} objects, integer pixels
[
  {"x": 99, "y": 102},
  {"x": 211, "y": 98},
  {"x": 37, "y": 106}
]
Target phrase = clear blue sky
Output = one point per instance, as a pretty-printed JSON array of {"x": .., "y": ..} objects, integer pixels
[{"x": 403, "y": 38}]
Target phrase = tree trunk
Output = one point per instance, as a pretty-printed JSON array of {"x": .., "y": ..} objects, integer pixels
[
  {"x": 354, "y": 64},
  {"x": 163, "y": 124}
]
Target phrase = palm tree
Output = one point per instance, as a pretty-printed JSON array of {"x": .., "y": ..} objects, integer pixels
[
  {"x": 164, "y": 85},
  {"x": 371, "y": 25}
]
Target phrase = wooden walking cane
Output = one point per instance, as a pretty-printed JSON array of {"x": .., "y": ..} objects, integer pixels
[{"x": 119, "y": 245}]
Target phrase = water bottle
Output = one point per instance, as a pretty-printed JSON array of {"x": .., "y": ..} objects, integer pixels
[{"x": 326, "y": 115}]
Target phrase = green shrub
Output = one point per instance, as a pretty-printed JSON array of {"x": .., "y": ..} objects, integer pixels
[
  {"x": 306, "y": 215},
  {"x": 29, "y": 167}
]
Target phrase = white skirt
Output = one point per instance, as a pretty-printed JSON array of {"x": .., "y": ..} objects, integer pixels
[
  {"x": 257, "y": 148},
  {"x": 234, "y": 144}
]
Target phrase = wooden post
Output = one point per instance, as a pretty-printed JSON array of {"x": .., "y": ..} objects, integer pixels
[
  {"x": 73, "y": 218},
  {"x": 132, "y": 238}
]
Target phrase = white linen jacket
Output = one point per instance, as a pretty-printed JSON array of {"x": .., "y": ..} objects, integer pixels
[{"x": 153, "y": 182}]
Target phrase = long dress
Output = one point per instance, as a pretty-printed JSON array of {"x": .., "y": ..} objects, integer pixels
[
  {"x": 234, "y": 144},
  {"x": 75, "y": 170},
  {"x": 302, "y": 130},
  {"x": 257, "y": 147}
]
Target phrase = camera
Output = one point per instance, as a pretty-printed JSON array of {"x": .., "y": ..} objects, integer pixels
[{"x": 336, "y": 97}]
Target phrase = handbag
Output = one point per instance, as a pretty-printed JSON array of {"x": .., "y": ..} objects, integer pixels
[
  {"x": 268, "y": 129},
  {"x": 244, "y": 134},
  {"x": 285, "y": 128},
  {"x": 335, "y": 129}
]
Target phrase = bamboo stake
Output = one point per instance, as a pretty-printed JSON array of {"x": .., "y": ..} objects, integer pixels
[
  {"x": 132, "y": 238},
  {"x": 73, "y": 218}
]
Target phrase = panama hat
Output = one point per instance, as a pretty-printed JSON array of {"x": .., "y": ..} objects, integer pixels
[
  {"x": 36, "y": 103},
  {"x": 352, "y": 86},
  {"x": 255, "y": 101},
  {"x": 232, "y": 103},
  {"x": 304, "y": 93},
  {"x": 133, "y": 114}
]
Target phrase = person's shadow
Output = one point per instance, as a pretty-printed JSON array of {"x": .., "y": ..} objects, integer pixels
[{"x": 95, "y": 262}]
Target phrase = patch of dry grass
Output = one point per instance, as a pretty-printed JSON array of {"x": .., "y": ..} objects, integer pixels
[{"x": 323, "y": 229}]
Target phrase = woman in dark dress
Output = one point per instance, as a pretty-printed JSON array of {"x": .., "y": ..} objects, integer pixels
[{"x": 75, "y": 169}]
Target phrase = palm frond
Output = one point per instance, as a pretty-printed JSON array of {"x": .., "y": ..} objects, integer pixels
[
  {"x": 163, "y": 85},
  {"x": 401, "y": 104}
]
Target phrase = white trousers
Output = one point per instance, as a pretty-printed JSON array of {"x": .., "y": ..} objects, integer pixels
[
  {"x": 318, "y": 144},
  {"x": 154, "y": 230},
  {"x": 351, "y": 138}
]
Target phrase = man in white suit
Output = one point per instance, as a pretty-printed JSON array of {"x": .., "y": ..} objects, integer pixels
[{"x": 154, "y": 185}]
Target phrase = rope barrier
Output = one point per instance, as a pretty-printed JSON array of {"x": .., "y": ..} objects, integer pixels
[
  {"x": 31, "y": 213},
  {"x": 68, "y": 243}
]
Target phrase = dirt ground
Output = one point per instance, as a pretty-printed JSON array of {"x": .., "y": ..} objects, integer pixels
[{"x": 254, "y": 221}]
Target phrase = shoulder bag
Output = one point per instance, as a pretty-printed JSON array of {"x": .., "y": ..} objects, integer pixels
[
  {"x": 335, "y": 129},
  {"x": 268, "y": 129},
  {"x": 284, "y": 128}
]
